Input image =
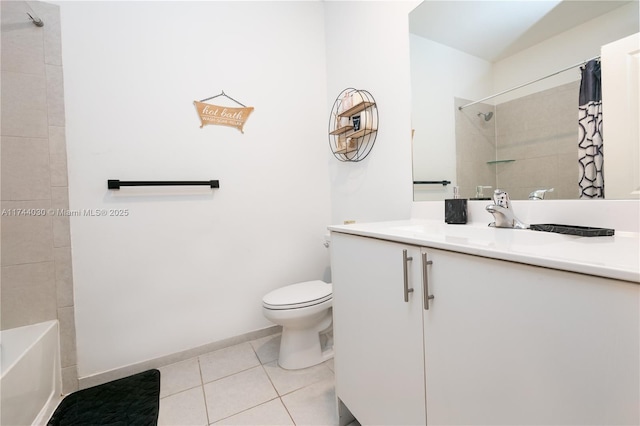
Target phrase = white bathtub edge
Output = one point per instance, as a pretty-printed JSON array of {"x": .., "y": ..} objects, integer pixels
[{"x": 34, "y": 363}]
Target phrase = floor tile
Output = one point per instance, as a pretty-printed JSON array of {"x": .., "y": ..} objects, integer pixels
[
  {"x": 179, "y": 377},
  {"x": 313, "y": 405},
  {"x": 269, "y": 413},
  {"x": 286, "y": 381},
  {"x": 239, "y": 392},
  {"x": 267, "y": 348},
  {"x": 227, "y": 361},
  {"x": 247, "y": 397},
  {"x": 184, "y": 409}
]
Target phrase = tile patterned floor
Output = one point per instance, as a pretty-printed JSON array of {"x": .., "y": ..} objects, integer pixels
[{"x": 243, "y": 385}]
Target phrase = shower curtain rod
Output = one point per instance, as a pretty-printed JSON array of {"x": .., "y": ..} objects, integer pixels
[{"x": 528, "y": 83}]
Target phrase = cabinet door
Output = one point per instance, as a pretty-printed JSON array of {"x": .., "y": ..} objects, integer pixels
[
  {"x": 507, "y": 343},
  {"x": 378, "y": 337}
]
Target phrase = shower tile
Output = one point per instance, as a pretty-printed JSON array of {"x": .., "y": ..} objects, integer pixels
[
  {"x": 69, "y": 379},
  {"x": 67, "y": 337},
  {"x": 26, "y": 239},
  {"x": 24, "y": 105},
  {"x": 313, "y": 405},
  {"x": 50, "y": 14},
  {"x": 286, "y": 381},
  {"x": 55, "y": 95},
  {"x": 537, "y": 130},
  {"x": 58, "y": 168},
  {"x": 534, "y": 143},
  {"x": 61, "y": 231},
  {"x": 471, "y": 165},
  {"x": 521, "y": 193},
  {"x": 57, "y": 141},
  {"x": 227, "y": 361},
  {"x": 64, "y": 276},
  {"x": 25, "y": 169},
  {"x": 178, "y": 377},
  {"x": 59, "y": 197},
  {"x": 185, "y": 408},
  {"x": 539, "y": 172},
  {"x": 28, "y": 294},
  {"x": 475, "y": 146},
  {"x": 566, "y": 140},
  {"x": 269, "y": 413},
  {"x": 22, "y": 42},
  {"x": 568, "y": 172},
  {"x": 330, "y": 364},
  {"x": 230, "y": 395}
]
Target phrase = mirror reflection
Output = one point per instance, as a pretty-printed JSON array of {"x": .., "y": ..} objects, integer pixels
[{"x": 495, "y": 95}]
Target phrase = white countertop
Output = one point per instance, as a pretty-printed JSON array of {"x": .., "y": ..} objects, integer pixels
[{"x": 616, "y": 257}]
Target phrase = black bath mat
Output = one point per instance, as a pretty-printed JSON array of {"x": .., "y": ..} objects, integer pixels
[{"x": 134, "y": 400}]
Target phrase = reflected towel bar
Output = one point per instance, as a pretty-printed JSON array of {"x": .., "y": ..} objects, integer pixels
[
  {"x": 116, "y": 184},
  {"x": 432, "y": 182}
]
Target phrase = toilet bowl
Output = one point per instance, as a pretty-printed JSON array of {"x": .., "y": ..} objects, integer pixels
[{"x": 304, "y": 312}]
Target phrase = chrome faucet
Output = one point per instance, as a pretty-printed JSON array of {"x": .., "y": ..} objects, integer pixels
[
  {"x": 539, "y": 194},
  {"x": 503, "y": 212}
]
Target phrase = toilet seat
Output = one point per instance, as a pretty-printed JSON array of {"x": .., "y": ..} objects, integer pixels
[{"x": 300, "y": 295}]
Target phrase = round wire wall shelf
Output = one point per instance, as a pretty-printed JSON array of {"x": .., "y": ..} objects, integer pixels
[{"x": 353, "y": 125}]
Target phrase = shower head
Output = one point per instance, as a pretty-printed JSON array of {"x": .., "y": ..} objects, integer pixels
[
  {"x": 487, "y": 116},
  {"x": 36, "y": 21}
]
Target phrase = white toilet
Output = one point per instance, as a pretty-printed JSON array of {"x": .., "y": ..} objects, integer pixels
[{"x": 304, "y": 312}]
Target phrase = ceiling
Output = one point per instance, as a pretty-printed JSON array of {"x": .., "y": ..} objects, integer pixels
[{"x": 496, "y": 29}]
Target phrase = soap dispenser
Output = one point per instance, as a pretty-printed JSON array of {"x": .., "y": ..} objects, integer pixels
[{"x": 455, "y": 210}]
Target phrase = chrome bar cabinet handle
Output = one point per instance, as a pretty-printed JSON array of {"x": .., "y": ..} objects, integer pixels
[
  {"x": 405, "y": 262},
  {"x": 425, "y": 281}
]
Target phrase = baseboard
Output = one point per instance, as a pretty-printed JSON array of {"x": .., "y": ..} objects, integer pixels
[{"x": 107, "y": 376}]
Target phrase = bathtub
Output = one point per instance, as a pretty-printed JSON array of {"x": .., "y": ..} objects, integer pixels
[{"x": 30, "y": 379}]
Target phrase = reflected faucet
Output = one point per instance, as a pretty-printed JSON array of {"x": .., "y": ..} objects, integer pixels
[
  {"x": 539, "y": 194},
  {"x": 503, "y": 212}
]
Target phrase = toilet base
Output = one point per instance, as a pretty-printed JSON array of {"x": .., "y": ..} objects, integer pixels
[{"x": 300, "y": 348}]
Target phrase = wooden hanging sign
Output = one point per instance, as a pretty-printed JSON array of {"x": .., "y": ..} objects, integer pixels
[{"x": 222, "y": 115}]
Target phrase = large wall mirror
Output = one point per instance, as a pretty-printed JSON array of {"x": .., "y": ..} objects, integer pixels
[{"x": 521, "y": 140}]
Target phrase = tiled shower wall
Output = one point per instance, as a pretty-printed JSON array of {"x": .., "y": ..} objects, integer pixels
[
  {"x": 538, "y": 133},
  {"x": 37, "y": 281},
  {"x": 475, "y": 148}
]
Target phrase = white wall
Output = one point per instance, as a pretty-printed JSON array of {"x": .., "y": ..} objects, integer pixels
[
  {"x": 438, "y": 75},
  {"x": 189, "y": 266},
  {"x": 568, "y": 48},
  {"x": 368, "y": 48}
]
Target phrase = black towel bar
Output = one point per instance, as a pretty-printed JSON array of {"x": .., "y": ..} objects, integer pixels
[
  {"x": 116, "y": 184},
  {"x": 432, "y": 182}
]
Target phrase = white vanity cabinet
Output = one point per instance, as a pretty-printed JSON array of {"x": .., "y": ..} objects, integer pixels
[
  {"x": 501, "y": 343},
  {"x": 378, "y": 337}
]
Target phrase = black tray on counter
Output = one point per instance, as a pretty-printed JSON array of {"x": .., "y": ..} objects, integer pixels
[{"x": 582, "y": 231}]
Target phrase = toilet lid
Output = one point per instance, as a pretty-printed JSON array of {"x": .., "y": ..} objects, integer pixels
[{"x": 298, "y": 295}]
